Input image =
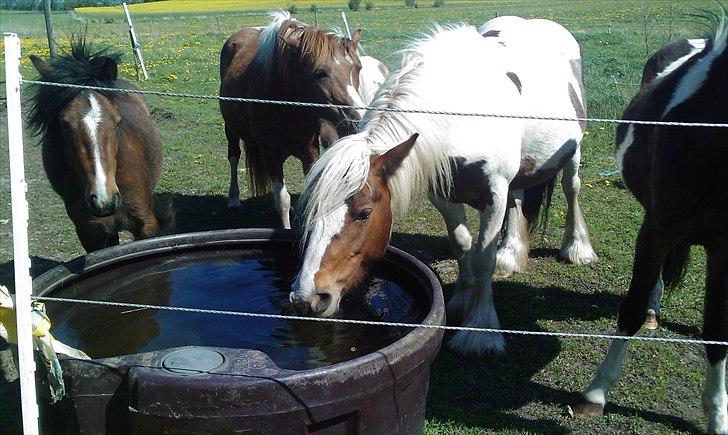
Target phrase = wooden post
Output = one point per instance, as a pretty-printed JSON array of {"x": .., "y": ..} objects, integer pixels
[
  {"x": 49, "y": 26},
  {"x": 135, "y": 45}
]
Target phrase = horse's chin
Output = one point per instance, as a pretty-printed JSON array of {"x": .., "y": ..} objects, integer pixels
[{"x": 103, "y": 213}]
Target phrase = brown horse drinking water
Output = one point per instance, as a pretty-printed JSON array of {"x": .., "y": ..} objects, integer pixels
[
  {"x": 101, "y": 152},
  {"x": 286, "y": 60}
]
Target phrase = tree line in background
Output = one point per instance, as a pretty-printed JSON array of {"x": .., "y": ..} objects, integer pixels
[{"x": 59, "y": 5}]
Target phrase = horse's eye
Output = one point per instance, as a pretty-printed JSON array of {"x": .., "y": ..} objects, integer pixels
[
  {"x": 320, "y": 74},
  {"x": 65, "y": 125},
  {"x": 364, "y": 214}
]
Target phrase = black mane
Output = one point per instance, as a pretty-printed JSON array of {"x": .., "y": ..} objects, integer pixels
[{"x": 78, "y": 67}]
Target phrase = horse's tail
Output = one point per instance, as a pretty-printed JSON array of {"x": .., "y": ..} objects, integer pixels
[
  {"x": 674, "y": 265},
  {"x": 165, "y": 213},
  {"x": 536, "y": 203},
  {"x": 257, "y": 169}
]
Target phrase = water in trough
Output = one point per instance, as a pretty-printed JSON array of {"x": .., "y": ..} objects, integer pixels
[{"x": 234, "y": 280}]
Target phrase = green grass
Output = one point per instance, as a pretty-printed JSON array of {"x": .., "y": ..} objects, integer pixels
[{"x": 528, "y": 389}]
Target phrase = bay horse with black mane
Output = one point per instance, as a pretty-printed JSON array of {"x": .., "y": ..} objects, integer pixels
[
  {"x": 678, "y": 175},
  {"x": 101, "y": 152},
  {"x": 363, "y": 180},
  {"x": 287, "y": 60}
]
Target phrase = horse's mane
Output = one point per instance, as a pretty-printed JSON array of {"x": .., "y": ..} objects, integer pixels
[
  {"x": 78, "y": 67},
  {"x": 316, "y": 45},
  {"x": 343, "y": 169}
]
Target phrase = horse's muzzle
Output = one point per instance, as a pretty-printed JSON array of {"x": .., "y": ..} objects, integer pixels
[{"x": 103, "y": 208}]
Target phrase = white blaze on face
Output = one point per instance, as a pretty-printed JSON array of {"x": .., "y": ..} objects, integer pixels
[
  {"x": 91, "y": 120},
  {"x": 323, "y": 231}
]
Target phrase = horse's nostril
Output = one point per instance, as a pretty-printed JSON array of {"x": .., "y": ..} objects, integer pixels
[{"x": 324, "y": 297}]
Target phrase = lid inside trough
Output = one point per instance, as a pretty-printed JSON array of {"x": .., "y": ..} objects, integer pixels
[{"x": 256, "y": 281}]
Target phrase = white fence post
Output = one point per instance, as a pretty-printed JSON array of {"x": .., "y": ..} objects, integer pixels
[
  {"x": 23, "y": 283},
  {"x": 135, "y": 44}
]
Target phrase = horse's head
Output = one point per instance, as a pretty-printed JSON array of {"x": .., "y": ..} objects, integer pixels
[
  {"x": 86, "y": 125},
  {"x": 344, "y": 241},
  {"x": 324, "y": 68}
]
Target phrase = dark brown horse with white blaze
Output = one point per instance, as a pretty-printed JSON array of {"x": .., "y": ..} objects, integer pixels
[
  {"x": 362, "y": 181},
  {"x": 287, "y": 60},
  {"x": 678, "y": 174},
  {"x": 101, "y": 152}
]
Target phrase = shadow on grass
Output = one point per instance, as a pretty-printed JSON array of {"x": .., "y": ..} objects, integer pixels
[
  {"x": 488, "y": 391},
  {"x": 38, "y": 266}
]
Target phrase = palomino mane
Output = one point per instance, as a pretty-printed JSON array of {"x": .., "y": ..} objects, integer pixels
[
  {"x": 343, "y": 169},
  {"x": 78, "y": 67},
  {"x": 316, "y": 46}
]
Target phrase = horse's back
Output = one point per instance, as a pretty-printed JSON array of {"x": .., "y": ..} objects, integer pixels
[
  {"x": 545, "y": 59},
  {"x": 236, "y": 55},
  {"x": 669, "y": 58},
  {"x": 675, "y": 171}
]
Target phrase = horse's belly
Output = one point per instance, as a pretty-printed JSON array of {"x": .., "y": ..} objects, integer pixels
[{"x": 542, "y": 157}]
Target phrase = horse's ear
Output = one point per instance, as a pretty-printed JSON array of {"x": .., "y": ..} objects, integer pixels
[
  {"x": 388, "y": 163},
  {"x": 356, "y": 37},
  {"x": 290, "y": 40},
  {"x": 108, "y": 70},
  {"x": 327, "y": 133},
  {"x": 43, "y": 69}
]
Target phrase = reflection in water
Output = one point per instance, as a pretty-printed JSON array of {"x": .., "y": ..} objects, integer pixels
[{"x": 227, "y": 280}]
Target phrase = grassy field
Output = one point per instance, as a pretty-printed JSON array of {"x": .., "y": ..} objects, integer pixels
[{"x": 527, "y": 390}]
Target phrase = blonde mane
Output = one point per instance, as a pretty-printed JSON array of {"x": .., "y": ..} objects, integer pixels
[{"x": 343, "y": 169}]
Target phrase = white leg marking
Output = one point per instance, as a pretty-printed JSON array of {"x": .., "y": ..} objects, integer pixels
[
  {"x": 482, "y": 260},
  {"x": 317, "y": 242},
  {"x": 234, "y": 190},
  {"x": 575, "y": 246},
  {"x": 607, "y": 373},
  {"x": 715, "y": 401},
  {"x": 513, "y": 250},
  {"x": 283, "y": 202},
  {"x": 460, "y": 242},
  {"x": 91, "y": 120}
]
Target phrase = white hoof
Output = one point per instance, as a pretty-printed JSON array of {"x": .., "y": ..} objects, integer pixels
[
  {"x": 477, "y": 343},
  {"x": 458, "y": 306},
  {"x": 578, "y": 253},
  {"x": 509, "y": 261},
  {"x": 234, "y": 203}
]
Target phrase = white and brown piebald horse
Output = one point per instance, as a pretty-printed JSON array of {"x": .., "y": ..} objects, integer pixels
[
  {"x": 363, "y": 180},
  {"x": 678, "y": 175},
  {"x": 547, "y": 64}
]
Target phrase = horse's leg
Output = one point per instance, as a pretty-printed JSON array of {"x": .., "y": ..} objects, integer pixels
[
  {"x": 653, "y": 309},
  {"x": 575, "y": 246},
  {"x": 234, "y": 159},
  {"x": 482, "y": 258},
  {"x": 512, "y": 254},
  {"x": 460, "y": 241},
  {"x": 281, "y": 197},
  {"x": 715, "y": 327},
  {"x": 649, "y": 255}
]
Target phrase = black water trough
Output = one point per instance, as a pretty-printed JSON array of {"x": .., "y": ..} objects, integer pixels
[{"x": 157, "y": 371}]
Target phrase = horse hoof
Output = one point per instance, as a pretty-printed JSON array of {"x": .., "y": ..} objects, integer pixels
[
  {"x": 578, "y": 253},
  {"x": 234, "y": 203},
  {"x": 587, "y": 410},
  {"x": 651, "y": 321}
]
